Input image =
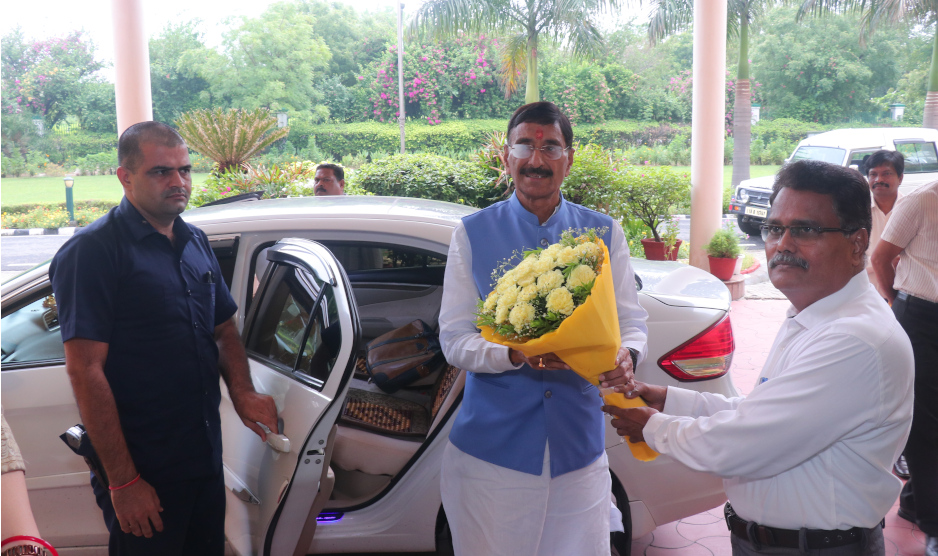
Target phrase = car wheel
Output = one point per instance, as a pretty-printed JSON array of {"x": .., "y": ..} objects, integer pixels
[
  {"x": 621, "y": 543},
  {"x": 748, "y": 226},
  {"x": 444, "y": 537}
]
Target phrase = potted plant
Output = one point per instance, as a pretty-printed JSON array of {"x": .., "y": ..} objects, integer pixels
[
  {"x": 723, "y": 251},
  {"x": 649, "y": 193}
]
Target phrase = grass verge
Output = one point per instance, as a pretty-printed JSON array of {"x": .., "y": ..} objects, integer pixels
[{"x": 49, "y": 190}]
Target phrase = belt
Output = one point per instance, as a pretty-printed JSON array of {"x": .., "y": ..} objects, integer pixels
[
  {"x": 912, "y": 300},
  {"x": 763, "y": 535}
]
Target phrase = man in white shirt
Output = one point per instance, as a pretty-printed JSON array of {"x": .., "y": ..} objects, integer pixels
[
  {"x": 884, "y": 174},
  {"x": 912, "y": 235},
  {"x": 806, "y": 457}
]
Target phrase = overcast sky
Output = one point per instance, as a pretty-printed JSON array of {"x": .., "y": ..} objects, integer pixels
[{"x": 56, "y": 18}]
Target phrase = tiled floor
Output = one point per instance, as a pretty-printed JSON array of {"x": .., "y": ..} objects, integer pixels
[{"x": 755, "y": 323}]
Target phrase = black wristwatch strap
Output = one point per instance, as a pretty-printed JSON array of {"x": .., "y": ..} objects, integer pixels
[{"x": 634, "y": 354}]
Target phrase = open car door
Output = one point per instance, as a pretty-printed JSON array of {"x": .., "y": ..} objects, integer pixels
[{"x": 301, "y": 335}]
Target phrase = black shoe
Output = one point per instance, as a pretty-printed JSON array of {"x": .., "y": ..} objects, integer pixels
[
  {"x": 901, "y": 468},
  {"x": 931, "y": 546},
  {"x": 908, "y": 515}
]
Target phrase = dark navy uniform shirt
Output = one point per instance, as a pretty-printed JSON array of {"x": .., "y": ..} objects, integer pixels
[{"x": 156, "y": 305}]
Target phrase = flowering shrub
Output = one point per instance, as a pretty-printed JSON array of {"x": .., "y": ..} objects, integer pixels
[
  {"x": 581, "y": 92},
  {"x": 546, "y": 286},
  {"x": 51, "y": 217}
]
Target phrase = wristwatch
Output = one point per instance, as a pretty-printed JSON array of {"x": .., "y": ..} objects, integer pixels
[
  {"x": 25, "y": 550},
  {"x": 634, "y": 354}
]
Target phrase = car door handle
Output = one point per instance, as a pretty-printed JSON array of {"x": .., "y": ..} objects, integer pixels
[{"x": 278, "y": 442}]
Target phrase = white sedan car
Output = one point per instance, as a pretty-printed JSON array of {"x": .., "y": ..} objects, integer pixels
[{"x": 361, "y": 472}]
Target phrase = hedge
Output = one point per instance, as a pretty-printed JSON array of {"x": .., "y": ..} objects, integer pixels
[{"x": 63, "y": 148}]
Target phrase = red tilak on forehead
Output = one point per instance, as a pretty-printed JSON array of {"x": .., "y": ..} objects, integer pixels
[{"x": 539, "y": 134}]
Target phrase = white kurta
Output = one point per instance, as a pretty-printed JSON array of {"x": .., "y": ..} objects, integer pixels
[{"x": 814, "y": 443}]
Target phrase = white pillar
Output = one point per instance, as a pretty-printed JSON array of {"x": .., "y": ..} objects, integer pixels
[
  {"x": 131, "y": 65},
  {"x": 707, "y": 126}
]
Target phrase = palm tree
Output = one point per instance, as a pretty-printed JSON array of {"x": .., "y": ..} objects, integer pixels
[
  {"x": 673, "y": 16},
  {"x": 229, "y": 137},
  {"x": 877, "y": 12},
  {"x": 521, "y": 22}
]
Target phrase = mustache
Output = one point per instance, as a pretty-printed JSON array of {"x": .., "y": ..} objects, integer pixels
[
  {"x": 176, "y": 191},
  {"x": 537, "y": 172},
  {"x": 789, "y": 260}
]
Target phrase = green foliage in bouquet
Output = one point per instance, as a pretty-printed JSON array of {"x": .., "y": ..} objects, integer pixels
[{"x": 544, "y": 288}]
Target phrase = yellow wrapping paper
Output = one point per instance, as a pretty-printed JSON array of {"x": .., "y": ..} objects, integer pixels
[{"x": 588, "y": 340}]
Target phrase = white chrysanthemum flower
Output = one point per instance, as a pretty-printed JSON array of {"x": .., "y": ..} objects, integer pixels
[
  {"x": 550, "y": 281},
  {"x": 521, "y": 315},
  {"x": 490, "y": 302},
  {"x": 588, "y": 250},
  {"x": 560, "y": 301},
  {"x": 552, "y": 250},
  {"x": 506, "y": 282},
  {"x": 527, "y": 293},
  {"x": 501, "y": 315},
  {"x": 566, "y": 256},
  {"x": 508, "y": 297},
  {"x": 580, "y": 276},
  {"x": 543, "y": 266}
]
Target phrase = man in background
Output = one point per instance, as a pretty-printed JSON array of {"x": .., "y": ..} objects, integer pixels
[
  {"x": 884, "y": 174},
  {"x": 329, "y": 180}
]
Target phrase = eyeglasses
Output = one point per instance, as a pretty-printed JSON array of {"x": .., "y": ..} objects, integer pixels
[
  {"x": 550, "y": 152},
  {"x": 804, "y": 235}
]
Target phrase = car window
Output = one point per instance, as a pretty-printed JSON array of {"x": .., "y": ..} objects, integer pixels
[
  {"x": 226, "y": 252},
  {"x": 31, "y": 333},
  {"x": 826, "y": 154},
  {"x": 920, "y": 157},
  {"x": 297, "y": 328}
]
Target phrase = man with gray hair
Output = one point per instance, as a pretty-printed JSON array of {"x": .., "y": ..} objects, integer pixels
[
  {"x": 806, "y": 457},
  {"x": 148, "y": 326}
]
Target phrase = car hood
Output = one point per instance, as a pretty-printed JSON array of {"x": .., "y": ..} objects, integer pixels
[
  {"x": 764, "y": 183},
  {"x": 680, "y": 285}
]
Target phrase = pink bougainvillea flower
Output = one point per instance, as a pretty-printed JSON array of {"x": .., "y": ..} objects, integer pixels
[{"x": 482, "y": 91}]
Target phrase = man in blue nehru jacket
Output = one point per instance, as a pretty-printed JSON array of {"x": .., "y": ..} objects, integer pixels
[{"x": 525, "y": 472}]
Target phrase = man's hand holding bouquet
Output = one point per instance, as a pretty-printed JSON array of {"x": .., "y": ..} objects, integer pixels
[{"x": 557, "y": 307}]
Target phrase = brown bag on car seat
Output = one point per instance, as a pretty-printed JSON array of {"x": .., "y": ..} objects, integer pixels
[{"x": 403, "y": 356}]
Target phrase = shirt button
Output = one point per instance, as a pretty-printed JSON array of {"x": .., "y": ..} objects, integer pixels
[
  {"x": 195, "y": 324},
  {"x": 547, "y": 394},
  {"x": 206, "y": 424},
  {"x": 544, "y": 242},
  {"x": 188, "y": 293}
]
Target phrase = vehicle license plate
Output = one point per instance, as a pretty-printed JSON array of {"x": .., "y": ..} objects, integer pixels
[{"x": 752, "y": 211}]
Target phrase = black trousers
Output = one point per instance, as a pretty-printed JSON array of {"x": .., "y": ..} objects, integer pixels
[
  {"x": 193, "y": 520},
  {"x": 919, "y": 319}
]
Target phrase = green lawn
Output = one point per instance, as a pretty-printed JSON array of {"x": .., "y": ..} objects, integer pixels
[
  {"x": 754, "y": 172},
  {"x": 21, "y": 191}
]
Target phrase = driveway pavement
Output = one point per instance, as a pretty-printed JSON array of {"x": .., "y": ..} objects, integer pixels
[{"x": 755, "y": 323}]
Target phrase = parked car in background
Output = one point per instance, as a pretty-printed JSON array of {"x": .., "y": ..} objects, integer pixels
[
  {"x": 316, "y": 278},
  {"x": 844, "y": 147}
]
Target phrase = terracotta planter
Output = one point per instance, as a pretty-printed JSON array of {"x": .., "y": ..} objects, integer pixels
[
  {"x": 654, "y": 250},
  {"x": 722, "y": 268}
]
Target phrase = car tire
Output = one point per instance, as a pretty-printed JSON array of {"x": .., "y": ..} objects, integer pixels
[
  {"x": 621, "y": 543},
  {"x": 444, "y": 536},
  {"x": 747, "y": 226}
]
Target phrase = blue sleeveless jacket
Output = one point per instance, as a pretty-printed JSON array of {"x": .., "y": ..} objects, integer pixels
[{"x": 506, "y": 418}]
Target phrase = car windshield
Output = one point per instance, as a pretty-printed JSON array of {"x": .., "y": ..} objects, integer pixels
[{"x": 826, "y": 154}]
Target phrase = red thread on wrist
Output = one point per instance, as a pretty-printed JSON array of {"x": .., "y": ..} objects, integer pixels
[
  {"x": 34, "y": 540},
  {"x": 125, "y": 485}
]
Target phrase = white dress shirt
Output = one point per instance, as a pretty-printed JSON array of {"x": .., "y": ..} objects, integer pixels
[
  {"x": 814, "y": 443},
  {"x": 466, "y": 347},
  {"x": 880, "y": 219},
  {"x": 913, "y": 226}
]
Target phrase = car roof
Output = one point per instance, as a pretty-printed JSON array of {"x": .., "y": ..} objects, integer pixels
[
  {"x": 357, "y": 206},
  {"x": 869, "y": 137}
]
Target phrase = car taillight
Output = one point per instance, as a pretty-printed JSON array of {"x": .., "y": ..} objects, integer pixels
[{"x": 705, "y": 356}]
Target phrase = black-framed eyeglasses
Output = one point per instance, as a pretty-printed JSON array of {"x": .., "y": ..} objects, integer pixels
[
  {"x": 550, "y": 152},
  {"x": 772, "y": 233}
]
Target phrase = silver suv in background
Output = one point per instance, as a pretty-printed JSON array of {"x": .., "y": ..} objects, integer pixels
[{"x": 846, "y": 147}]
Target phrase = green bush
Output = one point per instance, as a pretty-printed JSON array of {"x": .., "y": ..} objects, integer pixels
[
  {"x": 723, "y": 244},
  {"x": 51, "y": 216},
  {"x": 651, "y": 192},
  {"x": 64, "y": 148},
  {"x": 100, "y": 163},
  {"x": 593, "y": 181},
  {"x": 427, "y": 176}
]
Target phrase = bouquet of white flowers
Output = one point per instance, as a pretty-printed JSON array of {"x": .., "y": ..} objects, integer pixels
[{"x": 561, "y": 300}]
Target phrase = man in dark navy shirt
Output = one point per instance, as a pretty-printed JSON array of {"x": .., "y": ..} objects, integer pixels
[{"x": 148, "y": 327}]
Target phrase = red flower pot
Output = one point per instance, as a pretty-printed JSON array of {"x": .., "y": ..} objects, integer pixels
[
  {"x": 722, "y": 268},
  {"x": 654, "y": 250}
]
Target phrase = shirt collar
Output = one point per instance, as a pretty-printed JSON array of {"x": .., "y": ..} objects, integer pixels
[
  {"x": 518, "y": 209},
  {"x": 874, "y": 206},
  {"x": 140, "y": 228},
  {"x": 828, "y": 308}
]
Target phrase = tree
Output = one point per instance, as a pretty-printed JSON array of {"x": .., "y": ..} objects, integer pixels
[
  {"x": 875, "y": 13},
  {"x": 568, "y": 22},
  {"x": 271, "y": 61},
  {"x": 175, "y": 84},
  {"x": 671, "y": 16},
  {"x": 229, "y": 137}
]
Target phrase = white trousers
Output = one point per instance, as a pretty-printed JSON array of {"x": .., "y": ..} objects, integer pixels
[{"x": 495, "y": 511}]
